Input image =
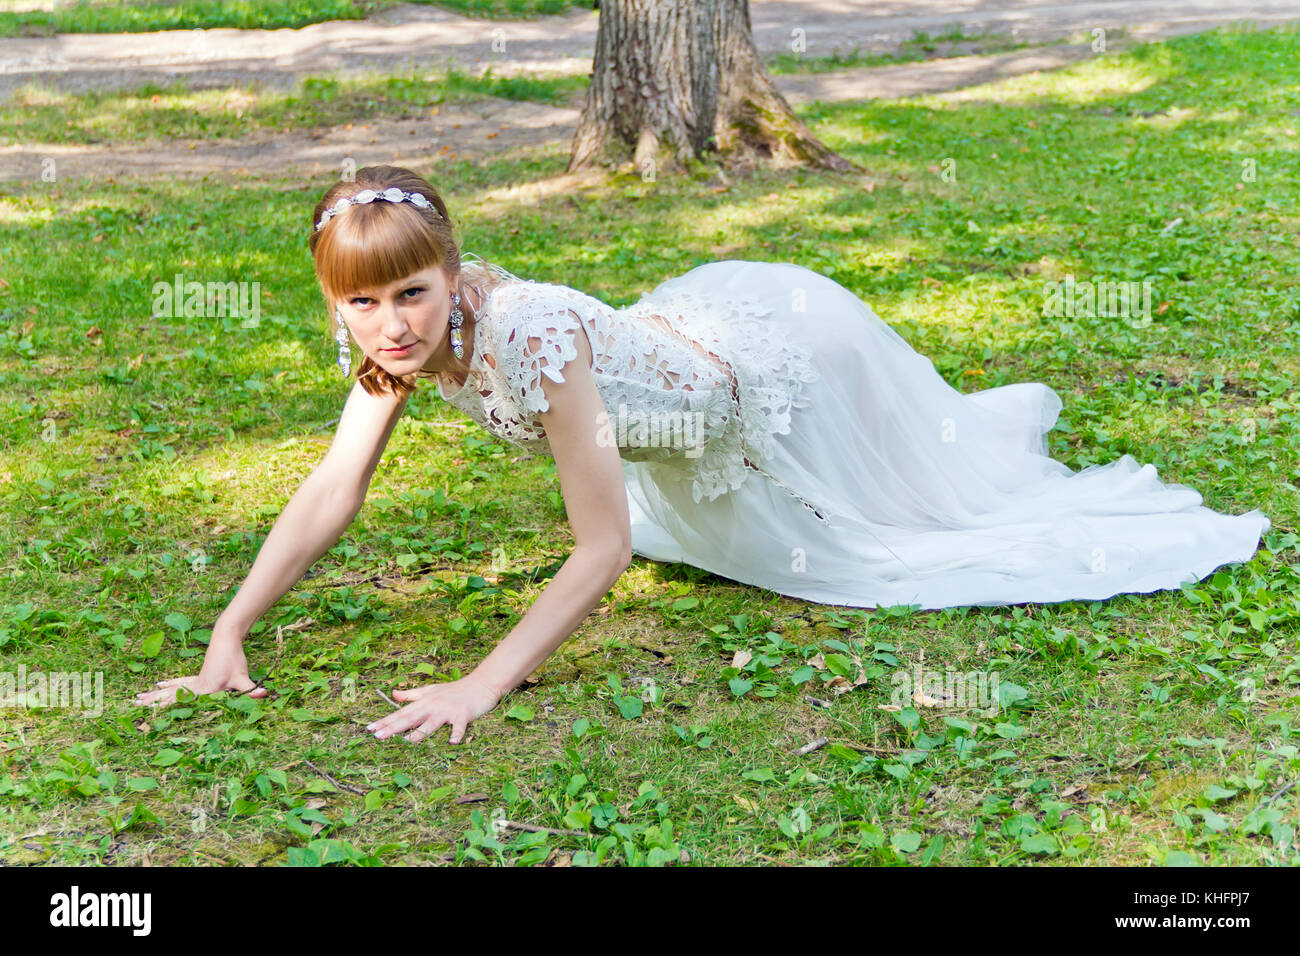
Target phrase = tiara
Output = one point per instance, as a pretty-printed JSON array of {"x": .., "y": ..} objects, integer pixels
[{"x": 391, "y": 194}]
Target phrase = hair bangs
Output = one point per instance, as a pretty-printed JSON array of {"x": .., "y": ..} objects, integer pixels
[{"x": 373, "y": 246}]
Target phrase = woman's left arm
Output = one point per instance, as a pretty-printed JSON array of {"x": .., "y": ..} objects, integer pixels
[{"x": 591, "y": 481}]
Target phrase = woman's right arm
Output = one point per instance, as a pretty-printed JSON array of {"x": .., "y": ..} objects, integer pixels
[{"x": 322, "y": 508}]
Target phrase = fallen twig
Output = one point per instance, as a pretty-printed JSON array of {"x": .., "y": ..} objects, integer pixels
[
  {"x": 534, "y": 828},
  {"x": 866, "y": 749},
  {"x": 1270, "y": 800},
  {"x": 326, "y": 425},
  {"x": 339, "y": 784},
  {"x": 811, "y": 746},
  {"x": 816, "y": 701}
]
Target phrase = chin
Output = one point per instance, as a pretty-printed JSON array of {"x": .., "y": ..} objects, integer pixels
[{"x": 397, "y": 366}]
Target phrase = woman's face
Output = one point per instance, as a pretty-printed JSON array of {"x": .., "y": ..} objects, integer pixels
[{"x": 412, "y": 312}]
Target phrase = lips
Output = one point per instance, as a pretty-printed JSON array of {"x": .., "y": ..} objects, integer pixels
[{"x": 401, "y": 351}]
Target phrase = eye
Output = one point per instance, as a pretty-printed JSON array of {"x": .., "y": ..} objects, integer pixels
[
  {"x": 416, "y": 289},
  {"x": 358, "y": 299}
]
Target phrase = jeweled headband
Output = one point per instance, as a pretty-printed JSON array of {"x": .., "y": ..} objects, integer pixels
[{"x": 391, "y": 194}]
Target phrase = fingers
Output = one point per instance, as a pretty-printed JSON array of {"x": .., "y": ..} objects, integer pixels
[
  {"x": 411, "y": 716},
  {"x": 164, "y": 693},
  {"x": 154, "y": 697},
  {"x": 426, "y": 709},
  {"x": 415, "y": 693},
  {"x": 246, "y": 685},
  {"x": 168, "y": 690},
  {"x": 421, "y": 721},
  {"x": 425, "y": 729},
  {"x": 402, "y": 719}
]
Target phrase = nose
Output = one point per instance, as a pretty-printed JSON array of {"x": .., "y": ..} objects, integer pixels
[{"x": 393, "y": 325}]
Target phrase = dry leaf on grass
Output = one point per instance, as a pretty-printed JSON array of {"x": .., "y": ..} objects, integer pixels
[
  {"x": 925, "y": 700},
  {"x": 840, "y": 684},
  {"x": 745, "y": 803}
]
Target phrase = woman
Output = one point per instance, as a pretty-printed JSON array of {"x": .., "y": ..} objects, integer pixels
[{"x": 753, "y": 419}]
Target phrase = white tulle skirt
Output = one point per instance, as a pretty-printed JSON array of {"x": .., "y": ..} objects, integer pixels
[{"x": 936, "y": 498}]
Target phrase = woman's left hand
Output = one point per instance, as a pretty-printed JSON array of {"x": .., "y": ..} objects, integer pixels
[{"x": 455, "y": 703}]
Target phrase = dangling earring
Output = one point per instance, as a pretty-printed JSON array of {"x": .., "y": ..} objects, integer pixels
[
  {"x": 341, "y": 336},
  {"x": 457, "y": 317}
]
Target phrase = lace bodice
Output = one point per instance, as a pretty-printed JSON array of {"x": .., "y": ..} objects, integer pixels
[{"x": 697, "y": 384}]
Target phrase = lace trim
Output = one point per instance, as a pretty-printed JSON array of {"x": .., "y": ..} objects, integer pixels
[
  {"x": 555, "y": 325},
  {"x": 476, "y": 261},
  {"x": 768, "y": 371},
  {"x": 510, "y": 394}
]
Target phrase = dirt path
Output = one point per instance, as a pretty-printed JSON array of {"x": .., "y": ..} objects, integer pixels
[{"x": 409, "y": 36}]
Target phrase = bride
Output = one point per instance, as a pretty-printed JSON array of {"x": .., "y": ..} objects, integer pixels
[{"x": 753, "y": 419}]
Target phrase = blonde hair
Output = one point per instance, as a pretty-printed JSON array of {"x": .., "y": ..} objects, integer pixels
[{"x": 376, "y": 244}]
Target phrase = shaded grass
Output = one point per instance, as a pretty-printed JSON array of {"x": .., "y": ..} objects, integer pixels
[
  {"x": 154, "y": 113},
  {"x": 144, "y": 465}
]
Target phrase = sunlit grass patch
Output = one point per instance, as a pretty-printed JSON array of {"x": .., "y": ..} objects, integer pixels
[
  {"x": 140, "y": 16},
  {"x": 145, "y": 462}
]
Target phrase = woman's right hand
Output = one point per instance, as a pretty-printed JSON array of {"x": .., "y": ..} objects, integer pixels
[{"x": 224, "y": 668}]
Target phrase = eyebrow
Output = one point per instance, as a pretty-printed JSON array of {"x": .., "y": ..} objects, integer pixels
[{"x": 420, "y": 283}]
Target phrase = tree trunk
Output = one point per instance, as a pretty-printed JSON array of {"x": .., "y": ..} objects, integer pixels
[{"x": 674, "y": 80}]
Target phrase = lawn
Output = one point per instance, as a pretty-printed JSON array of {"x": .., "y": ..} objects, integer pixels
[
  {"x": 155, "y": 113},
  {"x": 146, "y": 459},
  {"x": 140, "y": 16}
]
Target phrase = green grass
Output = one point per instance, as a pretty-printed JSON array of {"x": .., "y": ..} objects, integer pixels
[
  {"x": 154, "y": 113},
  {"x": 143, "y": 466},
  {"x": 139, "y": 16}
]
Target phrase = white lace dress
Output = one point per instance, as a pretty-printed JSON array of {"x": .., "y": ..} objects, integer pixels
[{"x": 830, "y": 461}]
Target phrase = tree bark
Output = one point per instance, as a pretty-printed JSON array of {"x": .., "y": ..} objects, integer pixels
[{"x": 679, "y": 80}]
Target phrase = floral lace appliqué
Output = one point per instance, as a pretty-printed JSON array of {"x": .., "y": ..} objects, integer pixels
[
  {"x": 770, "y": 372},
  {"x": 717, "y": 355}
]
